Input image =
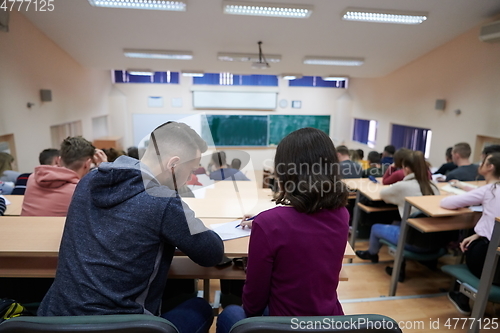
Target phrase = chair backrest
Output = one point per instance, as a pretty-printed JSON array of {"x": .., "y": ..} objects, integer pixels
[
  {"x": 96, "y": 324},
  {"x": 369, "y": 323}
]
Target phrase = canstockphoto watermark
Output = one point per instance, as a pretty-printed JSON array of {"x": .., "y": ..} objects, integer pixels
[{"x": 352, "y": 324}]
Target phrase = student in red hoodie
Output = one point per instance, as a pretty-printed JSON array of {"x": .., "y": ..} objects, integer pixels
[
  {"x": 50, "y": 188},
  {"x": 394, "y": 173}
]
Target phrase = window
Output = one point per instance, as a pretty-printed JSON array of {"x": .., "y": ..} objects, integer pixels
[
  {"x": 157, "y": 77},
  {"x": 365, "y": 131},
  {"x": 414, "y": 138},
  {"x": 317, "y": 81},
  {"x": 228, "y": 79}
]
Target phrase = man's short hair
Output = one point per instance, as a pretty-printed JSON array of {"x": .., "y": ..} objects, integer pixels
[
  {"x": 47, "y": 156},
  {"x": 236, "y": 163},
  {"x": 75, "y": 151},
  {"x": 361, "y": 153},
  {"x": 491, "y": 149},
  {"x": 390, "y": 149},
  {"x": 173, "y": 138},
  {"x": 343, "y": 150},
  {"x": 133, "y": 152},
  {"x": 462, "y": 149},
  {"x": 374, "y": 157}
]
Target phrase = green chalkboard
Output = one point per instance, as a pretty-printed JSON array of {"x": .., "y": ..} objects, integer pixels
[
  {"x": 282, "y": 125},
  {"x": 237, "y": 130}
]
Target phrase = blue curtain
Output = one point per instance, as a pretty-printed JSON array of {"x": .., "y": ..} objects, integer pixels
[
  {"x": 361, "y": 128},
  {"x": 316, "y": 81},
  {"x": 239, "y": 80},
  {"x": 409, "y": 137}
]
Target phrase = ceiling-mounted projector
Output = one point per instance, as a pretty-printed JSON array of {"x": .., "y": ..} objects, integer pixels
[{"x": 262, "y": 63}]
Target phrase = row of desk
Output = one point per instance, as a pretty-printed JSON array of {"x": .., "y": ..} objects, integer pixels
[
  {"x": 439, "y": 219},
  {"x": 29, "y": 246}
]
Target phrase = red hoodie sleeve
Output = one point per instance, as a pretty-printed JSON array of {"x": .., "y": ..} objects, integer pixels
[
  {"x": 392, "y": 175},
  {"x": 259, "y": 271}
]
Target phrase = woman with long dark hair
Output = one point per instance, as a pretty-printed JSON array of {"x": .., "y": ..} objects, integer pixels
[{"x": 296, "y": 250}]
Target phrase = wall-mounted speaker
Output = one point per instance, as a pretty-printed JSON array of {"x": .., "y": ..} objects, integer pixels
[
  {"x": 46, "y": 95},
  {"x": 440, "y": 104}
]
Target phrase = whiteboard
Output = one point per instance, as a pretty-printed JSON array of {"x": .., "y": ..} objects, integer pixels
[{"x": 235, "y": 100}]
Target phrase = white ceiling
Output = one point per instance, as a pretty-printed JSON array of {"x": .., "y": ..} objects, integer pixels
[{"x": 96, "y": 37}]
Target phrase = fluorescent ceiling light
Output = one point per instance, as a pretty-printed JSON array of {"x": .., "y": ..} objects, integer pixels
[
  {"x": 247, "y": 57},
  {"x": 193, "y": 73},
  {"x": 329, "y": 61},
  {"x": 158, "y": 54},
  {"x": 291, "y": 76},
  {"x": 334, "y": 78},
  {"x": 179, "y": 6},
  {"x": 384, "y": 16},
  {"x": 140, "y": 72},
  {"x": 266, "y": 9}
]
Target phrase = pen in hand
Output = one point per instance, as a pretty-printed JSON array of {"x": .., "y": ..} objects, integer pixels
[{"x": 247, "y": 219}]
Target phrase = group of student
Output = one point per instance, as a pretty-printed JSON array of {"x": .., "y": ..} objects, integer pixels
[
  {"x": 126, "y": 219},
  {"x": 417, "y": 181}
]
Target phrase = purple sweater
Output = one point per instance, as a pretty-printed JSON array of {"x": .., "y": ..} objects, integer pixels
[{"x": 294, "y": 262}]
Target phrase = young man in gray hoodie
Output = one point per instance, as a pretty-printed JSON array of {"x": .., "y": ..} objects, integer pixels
[{"x": 124, "y": 224}]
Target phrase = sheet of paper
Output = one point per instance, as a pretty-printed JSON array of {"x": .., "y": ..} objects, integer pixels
[
  {"x": 228, "y": 230},
  {"x": 436, "y": 176},
  {"x": 451, "y": 189},
  {"x": 7, "y": 202},
  {"x": 476, "y": 208}
]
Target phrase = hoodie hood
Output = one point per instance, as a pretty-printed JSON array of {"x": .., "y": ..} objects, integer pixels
[
  {"x": 114, "y": 183},
  {"x": 49, "y": 176}
]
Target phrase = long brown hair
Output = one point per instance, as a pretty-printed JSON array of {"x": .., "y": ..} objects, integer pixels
[
  {"x": 415, "y": 161},
  {"x": 307, "y": 169}
]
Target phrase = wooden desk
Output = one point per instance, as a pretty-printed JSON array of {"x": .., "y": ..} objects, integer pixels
[
  {"x": 29, "y": 245},
  {"x": 487, "y": 275},
  {"x": 16, "y": 204},
  {"x": 229, "y": 207},
  {"x": 430, "y": 205}
]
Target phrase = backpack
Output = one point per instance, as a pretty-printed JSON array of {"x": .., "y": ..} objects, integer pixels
[{"x": 9, "y": 308}]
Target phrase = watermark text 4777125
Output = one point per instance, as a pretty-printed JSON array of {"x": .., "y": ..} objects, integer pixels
[{"x": 25, "y": 5}]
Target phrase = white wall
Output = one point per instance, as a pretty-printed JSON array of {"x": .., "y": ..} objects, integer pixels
[
  {"x": 465, "y": 72},
  {"x": 30, "y": 61},
  {"x": 315, "y": 101}
]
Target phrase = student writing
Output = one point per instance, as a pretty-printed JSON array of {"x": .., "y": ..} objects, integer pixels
[{"x": 295, "y": 252}]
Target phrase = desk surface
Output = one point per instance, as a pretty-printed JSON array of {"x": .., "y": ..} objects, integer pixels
[
  {"x": 446, "y": 223},
  {"x": 33, "y": 236},
  {"x": 16, "y": 204},
  {"x": 29, "y": 247},
  {"x": 368, "y": 188},
  {"x": 430, "y": 205},
  {"x": 229, "y": 207}
]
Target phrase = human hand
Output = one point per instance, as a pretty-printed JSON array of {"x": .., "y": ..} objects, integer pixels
[
  {"x": 99, "y": 157},
  {"x": 466, "y": 242},
  {"x": 247, "y": 221}
]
